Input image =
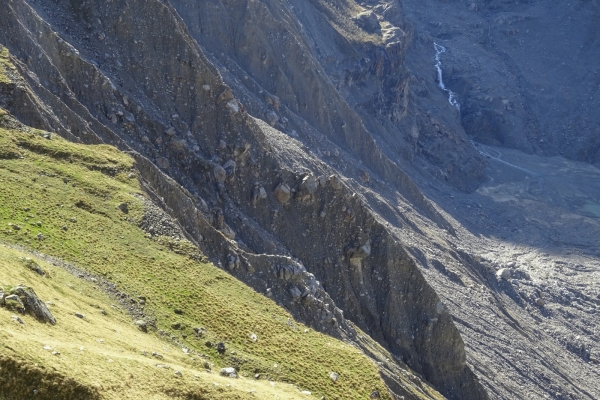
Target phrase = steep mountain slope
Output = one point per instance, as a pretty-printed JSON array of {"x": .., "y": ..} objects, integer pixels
[
  {"x": 293, "y": 144},
  {"x": 203, "y": 137},
  {"x": 76, "y": 210}
]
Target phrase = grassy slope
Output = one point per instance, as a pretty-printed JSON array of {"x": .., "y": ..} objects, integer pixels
[
  {"x": 46, "y": 185},
  {"x": 100, "y": 355}
]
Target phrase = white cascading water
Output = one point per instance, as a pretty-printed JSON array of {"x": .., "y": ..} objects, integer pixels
[{"x": 439, "y": 49}]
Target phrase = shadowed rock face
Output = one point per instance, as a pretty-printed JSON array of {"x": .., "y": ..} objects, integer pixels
[
  {"x": 311, "y": 63},
  {"x": 526, "y": 73}
]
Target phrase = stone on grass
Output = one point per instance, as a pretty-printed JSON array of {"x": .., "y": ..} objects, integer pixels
[
  {"x": 142, "y": 325},
  {"x": 334, "y": 376},
  {"x": 221, "y": 347},
  {"x": 32, "y": 304},
  {"x": 124, "y": 207},
  {"x": 229, "y": 372}
]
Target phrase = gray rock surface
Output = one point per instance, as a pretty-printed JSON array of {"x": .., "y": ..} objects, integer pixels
[{"x": 24, "y": 299}]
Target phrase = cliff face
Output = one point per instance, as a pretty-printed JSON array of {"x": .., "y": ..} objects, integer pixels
[{"x": 526, "y": 72}]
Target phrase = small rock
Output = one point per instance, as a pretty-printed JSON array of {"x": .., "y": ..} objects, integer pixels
[
  {"x": 199, "y": 331},
  {"x": 163, "y": 162},
  {"x": 157, "y": 355},
  {"x": 221, "y": 347},
  {"x": 79, "y": 315},
  {"x": 503, "y": 273},
  {"x": 439, "y": 308},
  {"x": 310, "y": 183},
  {"x": 229, "y": 372},
  {"x": 226, "y": 95},
  {"x": 124, "y": 207},
  {"x": 334, "y": 376},
  {"x": 283, "y": 193},
  {"x": 32, "y": 265},
  {"x": 178, "y": 373},
  {"x": 259, "y": 194},
  {"x": 40, "y": 236},
  {"x": 375, "y": 395},
  {"x": 176, "y": 326},
  {"x": 253, "y": 337},
  {"x": 170, "y": 131},
  {"x": 233, "y": 105},
  {"x": 229, "y": 167},
  {"x": 178, "y": 311},
  {"x": 295, "y": 292},
  {"x": 272, "y": 118},
  {"x": 540, "y": 302},
  {"x": 17, "y": 319},
  {"x": 335, "y": 182},
  {"x": 142, "y": 325},
  {"x": 178, "y": 144},
  {"x": 220, "y": 174},
  {"x": 206, "y": 88},
  {"x": 73, "y": 219}
]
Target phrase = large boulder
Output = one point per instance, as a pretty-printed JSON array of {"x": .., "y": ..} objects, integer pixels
[
  {"x": 283, "y": 193},
  {"x": 32, "y": 304}
]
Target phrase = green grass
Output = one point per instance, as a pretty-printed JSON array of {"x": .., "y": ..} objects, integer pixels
[
  {"x": 5, "y": 65},
  {"x": 101, "y": 356},
  {"x": 68, "y": 195}
]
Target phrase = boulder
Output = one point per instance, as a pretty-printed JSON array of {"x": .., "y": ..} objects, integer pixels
[
  {"x": 335, "y": 182},
  {"x": 229, "y": 372},
  {"x": 124, "y": 207},
  {"x": 13, "y": 302},
  {"x": 229, "y": 167},
  {"x": 162, "y": 162},
  {"x": 504, "y": 273},
  {"x": 310, "y": 184},
  {"x": 220, "y": 174},
  {"x": 178, "y": 144},
  {"x": 258, "y": 194},
  {"x": 283, "y": 193},
  {"x": 33, "y": 304},
  {"x": 368, "y": 21},
  {"x": 334, "y": 376}
]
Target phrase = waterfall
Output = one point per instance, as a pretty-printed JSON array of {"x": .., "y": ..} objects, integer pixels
[{"x": 439, "y": 49}]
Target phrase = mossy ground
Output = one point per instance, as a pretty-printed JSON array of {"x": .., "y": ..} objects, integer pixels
[{"x": 61, "y": 199}]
